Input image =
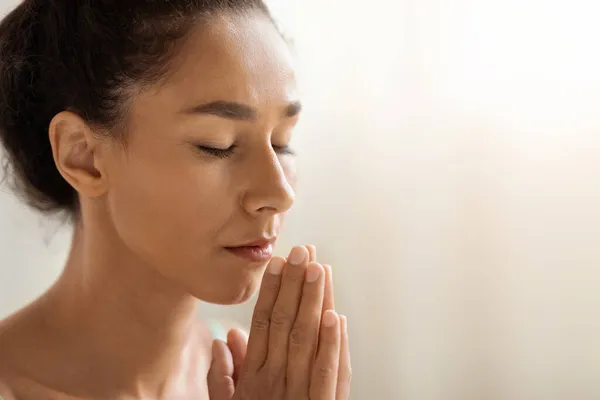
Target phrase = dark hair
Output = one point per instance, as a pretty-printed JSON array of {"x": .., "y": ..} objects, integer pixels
[{"x": 83, "y": 56}]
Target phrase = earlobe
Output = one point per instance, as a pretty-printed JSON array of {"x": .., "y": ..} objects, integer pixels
[{"x": 74, "y": 148}]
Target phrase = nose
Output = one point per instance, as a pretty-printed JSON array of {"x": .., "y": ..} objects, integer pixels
[{"x": 268, "y": 190}]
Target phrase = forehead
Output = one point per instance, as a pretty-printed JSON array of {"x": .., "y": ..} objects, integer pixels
[{"x": 235, "y": 57}]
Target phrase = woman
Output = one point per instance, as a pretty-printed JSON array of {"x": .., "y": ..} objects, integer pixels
[{"x": 162, "y": 128}]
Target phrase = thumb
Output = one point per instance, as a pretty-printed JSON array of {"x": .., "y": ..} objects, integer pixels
[{"x": 220, "y": 374}]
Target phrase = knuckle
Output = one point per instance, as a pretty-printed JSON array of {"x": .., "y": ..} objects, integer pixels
[
  {"x": 297, "y": 276},
  {"x": 271, "y": 285},
  {"x": 272, "y": 378},
  {"x": 261, "y": 321},
  {"x": 299, "y": 335},
  {"x": 325, "y": 372},
  {"x": 348, "y": 376},
  {"x": 281, "y": 320}
]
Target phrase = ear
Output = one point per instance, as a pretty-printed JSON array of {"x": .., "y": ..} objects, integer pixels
[{"x": 75, "y": 149}]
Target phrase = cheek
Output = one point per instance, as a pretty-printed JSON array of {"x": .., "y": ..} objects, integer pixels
[{"x": 168, "y": 211}]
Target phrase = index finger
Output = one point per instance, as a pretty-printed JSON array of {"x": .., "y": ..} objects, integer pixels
[
  {"x": 328, "y": 300},
  {"x": 258, "y": 342}
]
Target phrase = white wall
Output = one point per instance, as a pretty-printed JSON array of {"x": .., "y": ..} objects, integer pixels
[{"x": 450, "y": 170}]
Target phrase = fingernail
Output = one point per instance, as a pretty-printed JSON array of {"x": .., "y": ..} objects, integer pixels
[
  {"x": 313, "y": 250},
  {"x": 313, "y": 273},
  {"x": 330, "y": 318},
  {"x": 276, "y": 266},
  {"x": 344, "y": 322},
  {"x": 297, "y": 255}
]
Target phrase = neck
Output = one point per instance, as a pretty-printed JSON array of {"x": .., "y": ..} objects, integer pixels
[{"x": 131, "y": 326}]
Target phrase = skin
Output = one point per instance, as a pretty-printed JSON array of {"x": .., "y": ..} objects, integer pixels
[{"x": 156, "y": 216}]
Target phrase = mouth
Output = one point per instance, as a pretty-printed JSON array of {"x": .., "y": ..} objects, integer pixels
[{"x": 257, "y": 251}]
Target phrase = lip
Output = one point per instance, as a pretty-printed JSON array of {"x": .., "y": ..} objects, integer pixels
[
  {"x": 257, "y": 243},
  {"x": 257, "y": 251}
]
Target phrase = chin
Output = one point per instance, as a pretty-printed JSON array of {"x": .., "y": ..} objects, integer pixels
[
  {"x": 232, "y": 291},
  {"x": 228, "y": 298},
  {"x": 242, "y": 297}
]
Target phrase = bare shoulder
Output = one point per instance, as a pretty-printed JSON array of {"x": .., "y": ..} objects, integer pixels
[
  {"x": 6, "y": 387},
  {"x": 15, "y": 339},
  {"x": 6, "y": 332},
  {"x": 15, "y": 383},
  {"x": 10, "y": 336},
  {"x": 5, "y": 391}
]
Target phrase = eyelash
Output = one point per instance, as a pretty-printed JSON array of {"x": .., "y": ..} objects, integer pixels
[
  {"x": 219, "y": 153},
  {"x": 228, "y": 152},
  {"x": 284, "y": 150}
]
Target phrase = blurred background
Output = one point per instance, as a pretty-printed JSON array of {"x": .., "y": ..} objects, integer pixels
[{"x": 450, "y": 173}]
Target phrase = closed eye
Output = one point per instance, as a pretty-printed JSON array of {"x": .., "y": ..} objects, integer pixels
[
  {"x": 217, "y": 152},
  {"x": 228, "y": 152},
  {"x": 285, "y": 150}
]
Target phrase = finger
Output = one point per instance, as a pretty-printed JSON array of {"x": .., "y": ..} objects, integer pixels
[
  {"x": 324, "y": 375},
  {"x": 219, "y": 378},
  {"x": 286, "y": 308},
  {"x": 305, "y": 332},
  {"x": 237, "y": 341},
  {"x": 312, "y": 253},
  {"x": 328, "y": 300},
  {"x": 258, "y": 342},
  {"x": 345, "y": 368}
]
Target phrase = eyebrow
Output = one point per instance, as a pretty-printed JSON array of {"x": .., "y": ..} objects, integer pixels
[{"x": 238, "y": 111}]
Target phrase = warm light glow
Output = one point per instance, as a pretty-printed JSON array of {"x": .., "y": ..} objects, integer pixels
[{"x": 450, "y": 173}]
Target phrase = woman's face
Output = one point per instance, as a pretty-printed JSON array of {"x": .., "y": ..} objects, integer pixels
[{"x": 179, "y": 205}]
